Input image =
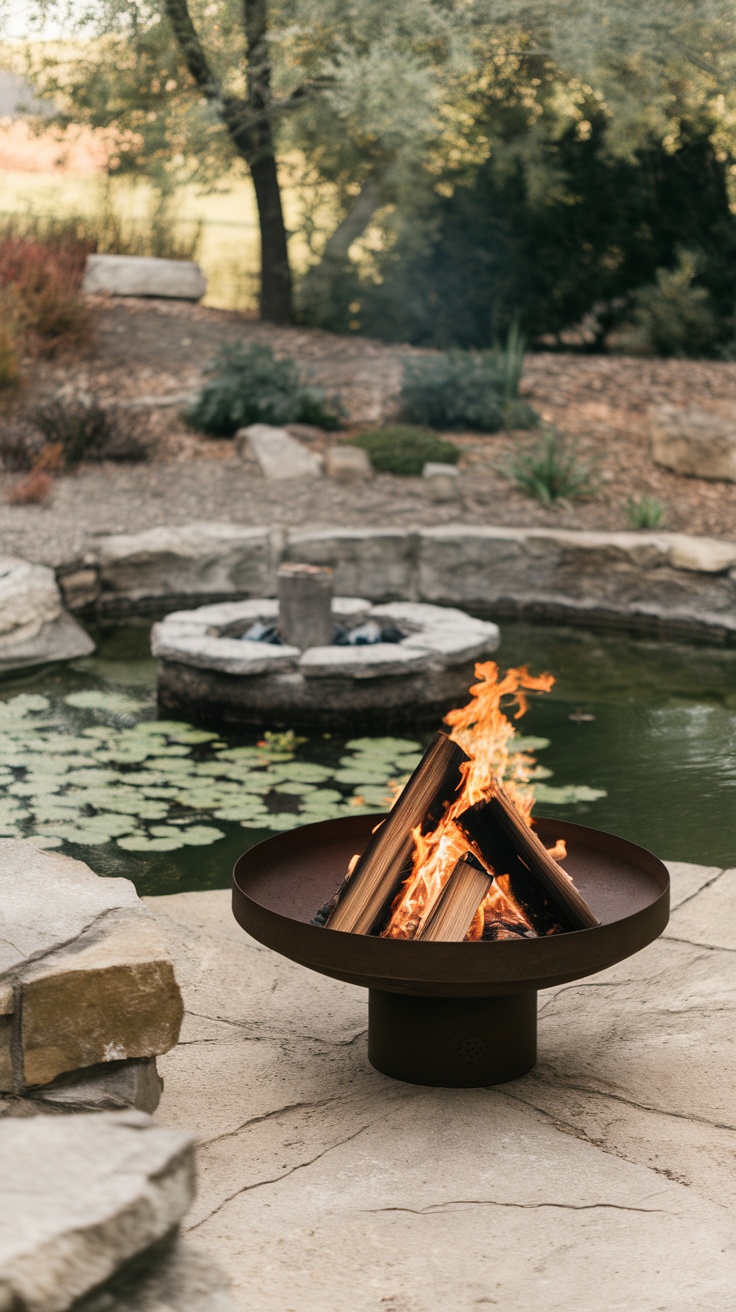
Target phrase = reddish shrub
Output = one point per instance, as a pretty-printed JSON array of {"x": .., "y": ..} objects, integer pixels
[
  {"x": 47, "y": 279},
  {"x": 32, "y": 490}
]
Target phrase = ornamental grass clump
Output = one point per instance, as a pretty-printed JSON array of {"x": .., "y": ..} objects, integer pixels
[
  {"x": 248, "y": 385},
  {"x": 646, "y": 512},
  {"x": 405, "y": 450},
  {"x": 468, "y": 389},
  {"x": 551, "y": 471}
]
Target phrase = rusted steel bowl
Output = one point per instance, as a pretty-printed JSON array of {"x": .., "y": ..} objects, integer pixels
[{"x": 453, "y": 1014}]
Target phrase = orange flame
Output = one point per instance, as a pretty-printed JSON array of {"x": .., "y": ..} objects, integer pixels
[{"x": 484, "y": 731}]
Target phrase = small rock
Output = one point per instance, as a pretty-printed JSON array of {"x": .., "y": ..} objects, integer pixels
[
  {"x": 144, "y": 275},
  {"x": 348, "y": 464},
  {"x": 695, "y": 443},
  {"x": 278, "y": 454},
  {"x": 442, "y": 481},
  {"x": 81, "y": 1198}
]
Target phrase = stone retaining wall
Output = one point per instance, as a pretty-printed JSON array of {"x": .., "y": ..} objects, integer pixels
[{"x": 665, "y": 581}]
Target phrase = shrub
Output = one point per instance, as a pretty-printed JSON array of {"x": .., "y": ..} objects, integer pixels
[
  {"x": 402, "y": 449},
  {"x": 248, "y": 385},
  {"x": 33, "y": 490},
  {"x": 45, "y": 279},
  {"x": 11, "y": 336},
  {"x": 83, "y": 428},
  {"x": 21, "y": 445},
  {"x": 672, "y": 316},
  {"x": 645, "y": 512},
  {"x": 551, "y": 471},
  {"x": 455, "y": 389}
]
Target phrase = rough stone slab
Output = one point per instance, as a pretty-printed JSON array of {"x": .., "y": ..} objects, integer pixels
[
  {"x": 375, "y": 563},
  {"x": 449, "y": 633},
  {"x": 143, "y": 275},
  {"x": 84, "y": 962},
  {"x": 115, "y": 1086},
  {"x": 34, "y": 627},
  {"x": 696, "y": 443},
  {"x": 703, "y": 555},
  {"x": 348, "y": 464},
  {"x": 614, "y": 1157},
  {"x": 6, "y": 1037},
  {"x": 104, "y": 1000},
  {"x": 710, "y": 918},
  {"x": 82, "y": 1196},
  {"x": 79, "y": 587},
  {"x": 371, "y": 662},
  {"x": 277, "y": 453},
  {"x": 227, "y": 655},
  {"x": 189, "y": 560},
  {"x": 48, "y": 900}
]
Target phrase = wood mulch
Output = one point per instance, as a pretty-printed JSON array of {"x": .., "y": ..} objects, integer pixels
[{"x": 154, "y": 349}]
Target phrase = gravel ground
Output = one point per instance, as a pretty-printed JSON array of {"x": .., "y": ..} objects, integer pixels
[{"x": 157, "y": 349}]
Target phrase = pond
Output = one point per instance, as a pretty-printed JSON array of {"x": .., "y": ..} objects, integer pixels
[{"x": 637, "y": 737}]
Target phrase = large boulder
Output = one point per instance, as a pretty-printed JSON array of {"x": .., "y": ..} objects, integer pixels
[
  {"x": 144, "y": 275},
  {"x": 81, "y": 1199},
  {"x": 34, "y": 627},
  {"x": 85, "y": 977},
  {"x": 695, "y": 443}
]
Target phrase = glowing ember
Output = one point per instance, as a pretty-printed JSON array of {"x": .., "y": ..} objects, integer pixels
[{"x": 484, "y": 731}]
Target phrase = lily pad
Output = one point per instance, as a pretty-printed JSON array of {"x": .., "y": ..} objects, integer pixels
[
  {"x": 142, "y": 843},
  {"x": 95, "y": 699},
  {"x": 567, "y": 794}
]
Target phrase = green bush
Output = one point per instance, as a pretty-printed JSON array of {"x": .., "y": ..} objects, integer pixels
[
  {"x": 672, "y": 316},
  {"x": 403, "y": 449},
  {"x": 645, "y": 512},
  {"x": 248, "y": 385},
  {"x": 455, "y": 389},
  {"x": 551, "y": 471},
  {"x": 464, "y": 389}
]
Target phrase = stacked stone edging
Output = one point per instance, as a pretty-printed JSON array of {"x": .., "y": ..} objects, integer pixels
[{"x": 670, "y": 582}]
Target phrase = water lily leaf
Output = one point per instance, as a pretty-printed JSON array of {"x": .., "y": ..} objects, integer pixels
[
  {"x": 26, "y": 702},
  {"x": 244, "y": 754},
  {"x": 200, "y": 835},
  {"x": 528, "y": 744},
  {"x": 324, "y": 797},
  {"x": 168, "y": 765},
  {"x": 95, "y": 699},
  {"x": 306, "y": 771},
  {"x": 35, "y": 787},
  {"x": 346, "y": 776},
  {"x": 281, "y": 821},
  {"x": 109, "y": 824},
  {"x": 375, "y": 796},
  {"x": 142, "y": 843},
  {"x": 45, "y": 841},
  {"x": 567, "y": 794},
  {"x": 407, "y": 764},
  {"x": 240, "y": 813},
  {"x": 296, "y": 789},
  {"x": 97, "y": 776},
  {"x": 383, "y": 746}
]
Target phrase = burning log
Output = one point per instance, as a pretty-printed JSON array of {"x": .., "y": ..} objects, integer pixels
[
  {"x": 545, "y": 888},
  {"x": 455, "y": 908},
  {"x": 386, "y": 861}
]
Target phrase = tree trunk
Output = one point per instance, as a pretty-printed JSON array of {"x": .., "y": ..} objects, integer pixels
[{"x": 275, "y": 293}]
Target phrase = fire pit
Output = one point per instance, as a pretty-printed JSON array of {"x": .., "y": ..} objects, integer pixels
[
  {"x": 449, "y": 1014},
  {"x": 454, "y": 909}
]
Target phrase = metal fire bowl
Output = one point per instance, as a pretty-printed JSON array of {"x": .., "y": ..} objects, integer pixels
[{"x": 453, "y": 1014}]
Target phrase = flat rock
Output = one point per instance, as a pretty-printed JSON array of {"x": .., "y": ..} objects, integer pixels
[
  {"x": 82, "y": 1197},
  {"x": 187, "y": 560},
  {"x": 34, "y": 627},
  {"x": 114, "y": 1086},
  {"x": 277, "y": 453},
  {"x": 227, "y": 655},
  {"x": 85, "y": 976},
  {"x": 348, "y": 464},
  {"x": 441, "y": 481},
  {"x": 370, "y": 662},
  {"x": 175, "y": 1279},
  {"x": 696, "y": 443},
  {"x": 613, "y": 1157},
  {"x": 143, "y": 275}
]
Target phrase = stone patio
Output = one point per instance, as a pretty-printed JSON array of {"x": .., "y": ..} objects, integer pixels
[{"x": 604, "y": 1179}]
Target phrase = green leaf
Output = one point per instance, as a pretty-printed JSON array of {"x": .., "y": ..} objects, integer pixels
[
  {"x": 94, "y": 699},
  {"x": 567, "y": 794}
]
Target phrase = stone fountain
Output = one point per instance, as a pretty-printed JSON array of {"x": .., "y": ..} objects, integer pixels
[{"x": 309, "y": 659}]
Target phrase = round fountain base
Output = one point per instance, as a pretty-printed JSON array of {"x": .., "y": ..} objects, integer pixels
[
  {"x": 209, "y": 671},
  {"x": 453, "y": 1043}
]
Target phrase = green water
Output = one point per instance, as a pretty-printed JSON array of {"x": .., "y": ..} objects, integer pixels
[{"x": 85, "y": 767}]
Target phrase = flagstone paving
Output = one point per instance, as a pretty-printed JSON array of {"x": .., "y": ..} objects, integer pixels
[{"x": 604, "y": 1179}]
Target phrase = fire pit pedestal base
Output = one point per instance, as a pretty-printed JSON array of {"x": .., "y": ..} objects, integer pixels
[{"x": 458, "y": 1043}]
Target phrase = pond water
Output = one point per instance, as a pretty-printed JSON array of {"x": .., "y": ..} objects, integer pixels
[{"x": 638, "y": 737}]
